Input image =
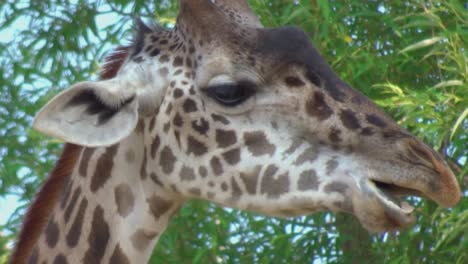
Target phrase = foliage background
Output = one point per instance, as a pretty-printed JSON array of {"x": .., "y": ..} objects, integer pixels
[{"x": 408, "y": 56}]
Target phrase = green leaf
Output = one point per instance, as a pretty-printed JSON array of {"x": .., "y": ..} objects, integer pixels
[
  {"x": 458, "y": 122},
  {"x": 421, "y": 44},
  {"x": 448, "y": 83}
]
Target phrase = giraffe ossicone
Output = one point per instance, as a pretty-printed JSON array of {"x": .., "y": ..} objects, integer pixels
[{"x": 221, "y": 109}]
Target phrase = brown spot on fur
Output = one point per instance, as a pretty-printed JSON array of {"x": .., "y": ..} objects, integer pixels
[
  {"x": 337, "y": 187},
  {"x": 274, "y": 125},
  {"x": 167, "y": 160},
  {"x": 187, "y": 174},
  {"x": 225, "y": 138},
  {"x": 232, "y": 156},
  {"x": 163, "y": 58},
  {"x": 201, "y": 126},
  {"x": 138, "y": 59},
  {"x": 251, "y": 179},
  {"x": 178, "y": 61},
  {"x": 118, "y": 256},
  {"x": 124, "y": 199},
  {"x": 39, "y": 212},
  {"x": 154, "y": 146},
  {"x": 71, "y": 205},
  {"x": 188, "y": 62},
  {"x": 74, "y": 233},
  {"x": 317, "y": 107},
  {"x": 332, "y": 164},
  {"x": 202, "y": 171},
  {"x": 158, "y": 206},
  {"x": 270, "y": 170},
  {"x": 375, "y": 120},
  {"x": 155, "y": 179},
  {"x": 141, "y": 239},
  {"x": 258, "y": 144},
  {"x": 52, "y": 233},
  {"x": 308, "y": 181},
  {"x": 152, "y": 123},
  {"x": 224, "y": 186},
  {"x": 216, "y": 166},
  {"x": 140, "y": 128},
  {"x": 272, "y": 186},
  {"x": 155, "y": 52},
  {"x": 177, "y": 121},
  {"x": 189, "y": 106},
  {"x": 218, "y": 118},
  {"x": 143, "y": 172},
  {"x": 196, "y": 147},
  {"x": 178, "y": 93},
  {"x": 98, "y": 237},
  {"x": 104, "y": 168},
  {"x": 236, "y": 191},
  {"x": 309, "y": 155},
  {"x": 334, "y": 135},
  {"x": 294, "y": 81},
  {"x": 154, "y": 38},
  {"x": 87, "y": 153},
  {"x": 294, "y": 146},
  {"x": 349, "y": 119},
  {"x": 195, "y": 192},
  {"x": 177, "y": 137},
  {"x": 367, "y": 131},
  {"x": 60, "y": 259}
]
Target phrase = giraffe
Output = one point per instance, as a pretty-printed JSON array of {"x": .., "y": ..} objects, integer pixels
[{"x": 220, "y": 109}]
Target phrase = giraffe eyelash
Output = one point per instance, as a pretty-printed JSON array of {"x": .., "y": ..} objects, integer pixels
[{"x": 231, "y": 94}]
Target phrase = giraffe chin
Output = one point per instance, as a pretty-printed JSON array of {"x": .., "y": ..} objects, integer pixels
[{"x": 381, "y": 210}]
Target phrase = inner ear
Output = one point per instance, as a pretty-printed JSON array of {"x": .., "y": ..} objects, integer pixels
[
  {"x": 95, "y": 106},
  {"x": 80, "y": 115}
]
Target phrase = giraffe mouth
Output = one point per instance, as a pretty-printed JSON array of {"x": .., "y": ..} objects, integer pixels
[{"x": 390, "y": 196}]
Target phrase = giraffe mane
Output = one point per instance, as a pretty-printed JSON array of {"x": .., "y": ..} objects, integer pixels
[
  {"x": 113, "y": 61},
  {"x": 38, "y": 213}
]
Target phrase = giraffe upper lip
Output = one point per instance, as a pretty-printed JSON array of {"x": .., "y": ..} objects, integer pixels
[{"x": 393, "y": 190}]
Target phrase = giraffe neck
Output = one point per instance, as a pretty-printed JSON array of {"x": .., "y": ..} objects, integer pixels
[{"x": 110, "y": 210}]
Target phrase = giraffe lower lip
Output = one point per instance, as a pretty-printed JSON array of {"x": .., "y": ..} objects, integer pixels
[{"x": 389, "y": 195}]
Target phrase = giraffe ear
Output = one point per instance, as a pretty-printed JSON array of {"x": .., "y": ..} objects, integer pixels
[{"x": 90, "y": 114}]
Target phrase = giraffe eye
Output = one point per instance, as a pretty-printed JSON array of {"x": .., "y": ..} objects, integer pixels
[{"x": 231, "y": 94}]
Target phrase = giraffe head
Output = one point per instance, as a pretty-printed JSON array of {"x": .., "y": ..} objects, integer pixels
[{"x": 251, "y": 118}]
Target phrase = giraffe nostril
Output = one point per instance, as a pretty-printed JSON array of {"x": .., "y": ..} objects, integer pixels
[
  {"x": 442, "y": 188},
  {"x": 422, "y": 154}
]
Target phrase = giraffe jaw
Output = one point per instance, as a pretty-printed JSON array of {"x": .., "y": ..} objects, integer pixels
[{"x": 397, "y": 213}]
